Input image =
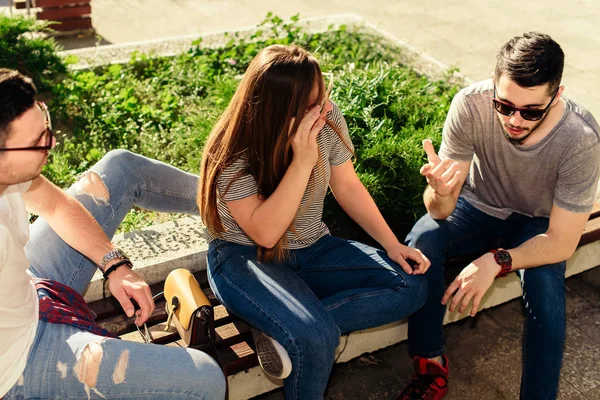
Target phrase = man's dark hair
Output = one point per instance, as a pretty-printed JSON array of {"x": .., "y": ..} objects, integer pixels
[
  {"x": 533, "y": 59},
  {"x": 17, "y": 95}
]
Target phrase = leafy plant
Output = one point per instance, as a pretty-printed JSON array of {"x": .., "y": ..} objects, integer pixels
[
  {"x": 164, "y": 108},
  {"x": 24, "y": 48}
]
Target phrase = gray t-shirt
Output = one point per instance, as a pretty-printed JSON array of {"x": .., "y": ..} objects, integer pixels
[
  {"x": 561, "y": 169},
  {"x": 234, "y": 183}
]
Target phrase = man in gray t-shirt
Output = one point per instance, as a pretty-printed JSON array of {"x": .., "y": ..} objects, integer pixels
[{"x": 516, "y": 177}]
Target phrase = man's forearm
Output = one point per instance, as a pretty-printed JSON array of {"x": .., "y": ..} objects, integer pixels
[
  {"x": 540, "y": 250},
  {"x": 438, "y": 207},
  {"x": 78, "y": 228}
]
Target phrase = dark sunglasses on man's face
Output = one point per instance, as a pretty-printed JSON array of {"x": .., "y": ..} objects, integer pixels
[
  {"x": 46, "y": 136},
  {"x": 526, "y": 113}
]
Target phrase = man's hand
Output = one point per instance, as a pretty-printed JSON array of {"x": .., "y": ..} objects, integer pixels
[
  {"x": 124, "y": 284},
  {"x": 400, "y": 253},
  {"x": 472, "y": 283},
  {"x": 442, "y": 175}
]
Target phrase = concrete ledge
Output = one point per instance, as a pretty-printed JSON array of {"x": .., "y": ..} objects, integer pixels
[
  {"x": 159, "y": 249},
  {"x": 121, "y": 53}
]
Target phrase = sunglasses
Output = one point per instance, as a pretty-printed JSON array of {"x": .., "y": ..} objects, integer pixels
[
  {"x": 329, "y": 77},
  {"x": 46, "y": 136},
  {"x": 526, "y": 113}
]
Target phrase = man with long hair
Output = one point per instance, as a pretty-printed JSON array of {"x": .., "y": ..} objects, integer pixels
[
  {"x": 516, "y": 177},
  {"x": 51, "y": 346}
]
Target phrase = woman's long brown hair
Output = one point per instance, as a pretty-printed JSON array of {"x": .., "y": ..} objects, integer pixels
[{"x": 273, "y": 93}]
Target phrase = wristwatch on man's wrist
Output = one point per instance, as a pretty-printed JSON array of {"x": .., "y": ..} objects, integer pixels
[
  {"x": 116, "y": 254},
  {"x": 504, "y": 260}
]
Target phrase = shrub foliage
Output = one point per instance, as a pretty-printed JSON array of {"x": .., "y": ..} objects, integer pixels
[{"x": 165, "y": 107}]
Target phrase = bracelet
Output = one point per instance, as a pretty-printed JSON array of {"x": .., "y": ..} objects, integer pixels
[{"x": 115, "y": 266}]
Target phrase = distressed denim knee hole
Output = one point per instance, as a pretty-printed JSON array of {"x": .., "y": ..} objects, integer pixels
[{"x": 91, "y": 183}]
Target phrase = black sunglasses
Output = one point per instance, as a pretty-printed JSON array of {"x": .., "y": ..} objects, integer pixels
[
  {"x": 47, "y": 134},
  {"x": 526, "y": 113}
]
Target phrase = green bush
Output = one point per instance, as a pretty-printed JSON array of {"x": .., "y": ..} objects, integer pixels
[
  {"x": 165, "y": 107},
  {"x": 390, "y": 110},
  {"x": 23, "y": 47}
]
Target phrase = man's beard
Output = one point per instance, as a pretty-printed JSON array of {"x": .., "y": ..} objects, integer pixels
[
  {"x": 14, "y": 179},
  {"x": 522, "y": 139}
]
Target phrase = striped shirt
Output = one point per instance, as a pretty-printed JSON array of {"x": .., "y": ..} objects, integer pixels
[{"x": 308, "y": 224}]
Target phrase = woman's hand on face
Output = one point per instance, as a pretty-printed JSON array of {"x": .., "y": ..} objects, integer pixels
[
  {"x": 304, "y": 143},
  {"x": 400, "y": 253}
]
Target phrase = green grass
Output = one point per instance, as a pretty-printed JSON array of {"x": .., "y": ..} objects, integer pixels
[{"x": 164, "y": 108}]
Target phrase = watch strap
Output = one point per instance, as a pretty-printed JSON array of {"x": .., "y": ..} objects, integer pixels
[
  {"x": 116, "y": 254},
  {"x": 504, "y": 260}
]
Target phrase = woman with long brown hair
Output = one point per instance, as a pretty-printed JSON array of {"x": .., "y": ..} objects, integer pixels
[{"x": 265, "y": 171}]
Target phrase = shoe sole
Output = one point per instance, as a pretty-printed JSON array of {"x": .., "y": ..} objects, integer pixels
[{"x": 271, "y": 361}]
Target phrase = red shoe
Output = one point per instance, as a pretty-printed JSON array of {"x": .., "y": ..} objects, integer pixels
[{"x": 430, "y": 381}]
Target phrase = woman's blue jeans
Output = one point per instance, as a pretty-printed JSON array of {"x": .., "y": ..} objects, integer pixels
[
  {"x": 68, "y": 363},
  {"x": 468, "y": 230},
  {"x": 333, "y": 287}
]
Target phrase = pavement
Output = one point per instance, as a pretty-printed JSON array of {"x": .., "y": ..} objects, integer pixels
[
  {"x": 484, "y": 351},
  {"x": 462, "y": 33}
]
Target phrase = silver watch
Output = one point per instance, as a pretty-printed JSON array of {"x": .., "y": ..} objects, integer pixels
[{"x": 116, "y": 254}]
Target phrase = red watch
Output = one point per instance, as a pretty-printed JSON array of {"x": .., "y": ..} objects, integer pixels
[{"x": 504, "y": 260}]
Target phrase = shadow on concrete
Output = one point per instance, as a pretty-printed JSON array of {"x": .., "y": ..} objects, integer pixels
[{"x": 80, "y": 41}]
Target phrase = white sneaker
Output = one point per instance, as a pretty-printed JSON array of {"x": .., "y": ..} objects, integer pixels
[{"x": 272, "y": 357}]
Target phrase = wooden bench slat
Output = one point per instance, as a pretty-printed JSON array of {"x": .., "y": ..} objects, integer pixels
[
  {"x": 58, "y": 3},
  {"x": 232, "y": 344},
  {"x": 120, "y": 324},
  {"x": 228, "y": 334},
  {"x": 109, "y": 306},
  {"x": 595, "y": 211},
  {"x": 238, "y": 357},
  {"x": 591, "y": 232},
  {"x": 22, "y": 4},
  {"x": 72, "y": 24},
  {"x": 61, "y": 13}
]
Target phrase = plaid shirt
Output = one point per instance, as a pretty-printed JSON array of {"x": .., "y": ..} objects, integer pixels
[{"x": 59, "y": 304}]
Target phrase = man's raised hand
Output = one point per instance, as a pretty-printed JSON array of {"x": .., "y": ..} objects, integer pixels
[{"x": 442, "y": 175}]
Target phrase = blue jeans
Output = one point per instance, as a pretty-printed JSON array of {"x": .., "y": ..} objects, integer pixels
[
  {"x": 468, "y": 230},
  {"x": 124, "y": 369},
  {"x": 334, "y": 286}
]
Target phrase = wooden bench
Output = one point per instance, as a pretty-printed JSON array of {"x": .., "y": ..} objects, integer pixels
[
  {"x": 234, "y": 342},
  {"x": 71, "y": 15}
]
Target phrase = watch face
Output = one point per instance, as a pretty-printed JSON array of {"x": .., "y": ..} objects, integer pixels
[{"x": 503, "y": 256}]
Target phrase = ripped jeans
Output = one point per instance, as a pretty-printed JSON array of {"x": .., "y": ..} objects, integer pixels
[
  {"x": 68, "y": 363},
  {"x": 468, "y": 230}
]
